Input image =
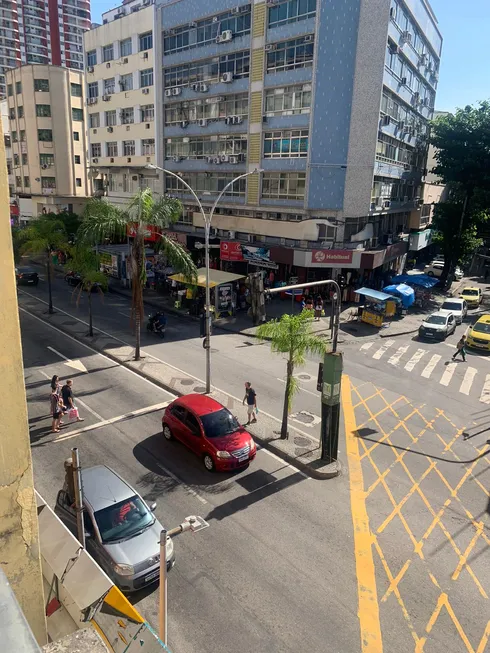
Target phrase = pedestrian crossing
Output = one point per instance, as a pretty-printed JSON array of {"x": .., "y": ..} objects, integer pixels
[{"x": 423, "y": 362}]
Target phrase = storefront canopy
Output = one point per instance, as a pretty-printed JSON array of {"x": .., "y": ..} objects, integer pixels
[
  {"x": 403, "y": 291},
  {"x": 422, "y": 280},
  {"x": 216, "y": 278},
  {"x": 374, "y": 294}
]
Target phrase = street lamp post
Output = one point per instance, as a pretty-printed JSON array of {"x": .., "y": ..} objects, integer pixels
[{"x": 207, "y": 230}]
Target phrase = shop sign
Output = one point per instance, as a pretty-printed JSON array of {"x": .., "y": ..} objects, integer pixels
[
  {"x": 420, "y": 240},
  {"x": 340, "y": 256},
  {"x": 230, "y": 251},
  {"x": 151, "y": 233},
  {"x": 258, "y": 256},
  {"x": 225, "y": 294},
  {"x": 108, "y": 264}
]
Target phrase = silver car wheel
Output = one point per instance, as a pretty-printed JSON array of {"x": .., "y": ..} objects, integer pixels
[{"x": 167, "y": 433}]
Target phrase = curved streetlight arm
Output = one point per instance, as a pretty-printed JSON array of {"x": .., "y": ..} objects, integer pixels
[
  {"x": 169, "y": 172},
  {"x": 230, "y": 183}
]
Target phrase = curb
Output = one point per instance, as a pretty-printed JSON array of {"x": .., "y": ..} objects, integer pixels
[{"x": 399, "y": 333}]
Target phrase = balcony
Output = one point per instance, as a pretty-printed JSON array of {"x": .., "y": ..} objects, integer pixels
[{"x": 48, "y": 191}]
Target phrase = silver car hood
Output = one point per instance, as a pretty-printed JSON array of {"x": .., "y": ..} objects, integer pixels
[
  {"x": 136, "y": 549},
  {"x": 434, "y": 327}
]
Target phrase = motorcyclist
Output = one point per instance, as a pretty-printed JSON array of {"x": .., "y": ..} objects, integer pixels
[{"x": 158, "y": 321}]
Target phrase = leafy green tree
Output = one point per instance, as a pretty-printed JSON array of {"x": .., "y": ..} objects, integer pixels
[
  {"x": 104, "y": 220},
  {"x": 44, "y": 235},
  {"x": 72, "y": 222},
  {"x": 292, "y": 335},
  {"x": 86, "y": 264}
]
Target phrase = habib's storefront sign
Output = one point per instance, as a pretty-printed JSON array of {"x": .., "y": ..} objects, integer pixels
[
  {"x": 339, "y": 256},
  {"x": 151, "y": 232}
]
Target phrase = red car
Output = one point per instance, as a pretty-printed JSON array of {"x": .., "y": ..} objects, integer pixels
[{"x": 209, "y": 429}]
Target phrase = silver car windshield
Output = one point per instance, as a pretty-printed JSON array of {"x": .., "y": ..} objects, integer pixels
[
  {"x": 450, "y": 306},
  {"x": 123, "y": 520},
  {"x": 436, "y": 319}
]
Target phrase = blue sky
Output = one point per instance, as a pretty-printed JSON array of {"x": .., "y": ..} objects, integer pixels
[{"x": 465, "y": 67}]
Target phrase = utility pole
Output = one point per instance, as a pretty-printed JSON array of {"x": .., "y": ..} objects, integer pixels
[{"x": 77, "y": 483}]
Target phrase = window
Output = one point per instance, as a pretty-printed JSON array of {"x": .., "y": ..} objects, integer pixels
[
  {"x": 77, "y": 114},
  {"x": 22, "y": 135},
  {"x": 203, "y": 182},
  {"x": 286, "y": 143},
  {"x": 78, "y": 182},
  {"x": 145, "y": 41},
  {"x": 392, "y": 150},
  {"x": 126, "y": 47},
  {"x": 46, "y": 160},
  {"x": 10, "y": 92},
  {"x": 12, "y": 113},
  {"x": 288, "y": 101},
  {"x": 200, "y": 147},
  {"x": 94, "y": 120},
  {"x": 148, "y": 146},
  {"x": 43, "y": 110},
  {"x": 113, "y": 529},
  {"x": 20, "y": 112},
  {"x": 111, "y": 148},
  {"x": 93, "y": 89},
  {"x": 76, "y": 90},
  {"x": 27, "y": 181},
  {"x": 95, "y": 150},
  {"x": 127, "y": 116},
  {"x": 18, "y": 87},
  {"x": 76, "y": 136},
  {"x": 24, "y": 159},
  {"x": 109, "y": 86},
  {"x": 45, "y": 135},
  {"x": 41, "y": 85},
  {"x": 108, "y": 52},
  {"x": 217, "y": 108},
  {"x": 92, "y": 58},
  {"x": 110, "y": 118},
  {"x": 48, "y": 182},
  {"x": 18, "y": 181},
  {"x": 77, "y": 159},
  {"x": 291, "y": 11},
  {"x": 14, "y": 137},
  {"x": 148, "y": 113},
  {"x": 288, "y": 55},
  {"x": 208, "y": 70},
  {"x": 16, "y": 160},
  {"x": 283, "y": 185},
  {"x": 146, "y": 77},
  {"x": 128, "y": 148},
  {"x": 126, "y": 82}
]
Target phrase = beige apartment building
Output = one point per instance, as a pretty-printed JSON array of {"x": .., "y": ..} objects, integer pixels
[
  {"x": 47, "y": 129},
  {"x": 121, "y": 101}
]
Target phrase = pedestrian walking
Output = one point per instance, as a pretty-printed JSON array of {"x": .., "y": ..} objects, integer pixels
[
  {"x": 318, "y": 308},
  {"x": 68, "y": 401},
  {"x": 55, "y": 388},
  {"x": 56, "y": 411},
  {"x": 251, "y": 399},
  {"x": 461, "y": 348}
]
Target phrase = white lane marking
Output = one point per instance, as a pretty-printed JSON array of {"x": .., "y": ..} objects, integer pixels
[
  {"x": 448, "y": 344},
  {"x": 75, "y": 364},
  {"x": 415, "y": 359},
  {"x": 485, "y": 393},
  {"x": 182, "y": 484},
  {"x": 448, "y": 374},
  {"x": 281, "y": 460},
  {"x": 377, "y": 355},
  {"x": 315, "y": 394},
  {"x": 468, "y": 380},
  {"x": 395, "y": 359},
  {"x": 367, "y": 346},
  {"x": 125, "y": 314},
  {"x": 90, "y": 410},
  {"x": 429, "y": 368}
]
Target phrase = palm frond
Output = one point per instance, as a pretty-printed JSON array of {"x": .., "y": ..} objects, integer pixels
[
  {"x": 101, "y": 219},
  {"x": 43, "y": 234},
  {"x": 178, "y": 258}
]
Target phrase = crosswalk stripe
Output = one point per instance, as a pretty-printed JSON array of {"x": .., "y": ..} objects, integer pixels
[
  {"x": 485, "y": 393},
  {"x": 429, "y": 368},
  {"x": 468, "y": 380},
  {"x": 415, "y": 359},
  {"x": 367, "y": 346},
  {"x": 448, "y": 374},
  {"x": 382, "y": 350},
  {"x": 395, "y": 359}
]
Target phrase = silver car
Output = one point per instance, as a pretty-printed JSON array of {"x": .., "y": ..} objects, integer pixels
[
  {"x": 121, "y": 532},
  {"x": 457, "y": 307}
]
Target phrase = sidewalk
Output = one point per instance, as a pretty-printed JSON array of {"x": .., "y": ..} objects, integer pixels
[{"x": 300, "y": 450}]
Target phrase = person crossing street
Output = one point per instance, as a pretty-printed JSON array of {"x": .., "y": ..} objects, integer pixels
[
  {"x": 251, "y": 399},
  {"x": 461, "y": 349}
]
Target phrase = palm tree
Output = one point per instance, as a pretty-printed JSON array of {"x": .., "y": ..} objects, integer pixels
[
  {"x": 104, "y": 220},
  {"x": 292, "y": 335},
  {"x": 86, "y": 264},
  {"x": 43, "y": 236}
]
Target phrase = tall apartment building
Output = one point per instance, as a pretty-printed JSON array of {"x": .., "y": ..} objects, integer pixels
[
  {"x": 121, "y": 100},
  {"x": 330, "y": 99},
  {"x": 47, "y": 130},
  {"x": 42, "y": 32}
]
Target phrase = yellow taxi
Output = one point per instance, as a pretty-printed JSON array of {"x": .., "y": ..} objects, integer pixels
[
  {"x": 472, "y": 296},
  {"x": 479, "y": 334}
]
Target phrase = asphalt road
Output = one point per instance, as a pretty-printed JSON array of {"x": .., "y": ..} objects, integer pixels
[{"x": 274, "y": 572}]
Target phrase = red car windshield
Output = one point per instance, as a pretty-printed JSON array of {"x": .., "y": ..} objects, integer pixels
[{"x": 220, "y": 423}]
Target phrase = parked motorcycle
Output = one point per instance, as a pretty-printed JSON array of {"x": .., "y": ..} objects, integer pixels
[{"x": 157, "y": 323}]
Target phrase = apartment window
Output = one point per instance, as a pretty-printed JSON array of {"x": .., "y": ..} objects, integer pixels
[
  {"x": 147, "y": 113},
  {"x": 126, "y": 82},
  {"x": 48, "y": 182},
  {"x": 110, "y": 118},
  {"x": 128, "y": 148},
  {"x": 78, "y": 182},
  {"x": 288, "y": 101},
  {"x": 286, "y": 143},
  {"x": 148, "y": 146},
  {"x": 14, "y": 137},
  {"x": 291, "y": 11},
  {"x": 127, "y": 116},
  {"x": 27, "y": 181},
  {"x": 92, "y": 58},
  {"x": 22, "y": 135},
  {"x": 392, "y": 150},
  {"x": 18, "y": 87},
  {"x": 208, "y": 70},
  {"x": 77, "y": 114},
  {"x": 145, "y": 41},
  {"x": 16, "y": 160},
  {"x": 126, "y": 47},
  {"x": 12, "y": 113},
  {"x": 10, "y": 92},
  {"x": 111, "y": 148},
  {"x": 200, "y": 147},
  {"x": 76, "y": 136},
  {"x": 108, "y": 52},
  {"x": 77, "y": 159},
  {"x": 94, "y": 120},
  {"x": 20, "y": 112},
  {"x": 203, "y": 182},
  {"x": 93, "y": 89},
  {"x": 109, "y": 86},
  {"x": 18, "y": 181},
  {"x": 45, "y": 135},
  {"x": 209, "y": 109},
  {"x": 41, "y": 85},
  {"x": 95, "y": 149},
  {"x": 24, "y": 159},
  {"x": 43, "y": 110},
  {"x": 76, "y": 90},
  {"x": 297, "y": 53},
  {"x": 46, "y": 160},
  {"x": 283, "y": 185},
  {"x": 146, "y": 77}
]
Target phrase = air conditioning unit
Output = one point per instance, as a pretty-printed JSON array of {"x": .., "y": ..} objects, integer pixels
[
  {"x": 194, "y": 87},
  {"x": 416, "y": 96},
  {"x": 422, "y": 59},
  {"x": 308, "y": 38},
  {"x": 404, "y": 81},
  {"x": 203, "y": 88},
  {"x": 385, "y": 120},
  {"x": 270, "y": 46},
  {"x": 217, "y": 160},
  {"x": 215, "y": 19},
  {"x": 282, "y": 241},
  {"x": 193, "y": 24},
  {"x": 95, "y": 160},
  {"x": 106, "y": 98},
  {"x": 184, "y": 124},
  {"x": 227, "y": 78},
  {"x": 145, "y": 55},
  {"x": 145, "y": 91},
  {"x": 250, "y": 238},
  {"x": 90, "y": 69},
  {"x": 176, "y": 159},
  {"x": 394, "y": 48},
  {"x": 225, "y": 36},
  {"x": 176, "y": 91},
  {"x": 271, "y": 3},
  {"x": 168, "y": 92},
  {"x": 202, "y": 122},
  {"x": 125, "y": 60},
  {"x": 224, "y": 158},
  {"x": 44, "y": 166},
  {"x": 229, "y": 120},
  {"x": 233, "y": 159},
  {"x": 236, "y": 120},
  {"x": 401, "y": 125},
  {"x": 406, "y": 37},
  {"x": 231, "y": 235},
  {"x": 111, "y": 160},
  {"x": 386, "y": 204},
  {"x": 210, "y": 159},
  {"x": 110, "y": 129},
  {"x": 244, "y": 9},
  {"x": 108, "y": 64}
]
